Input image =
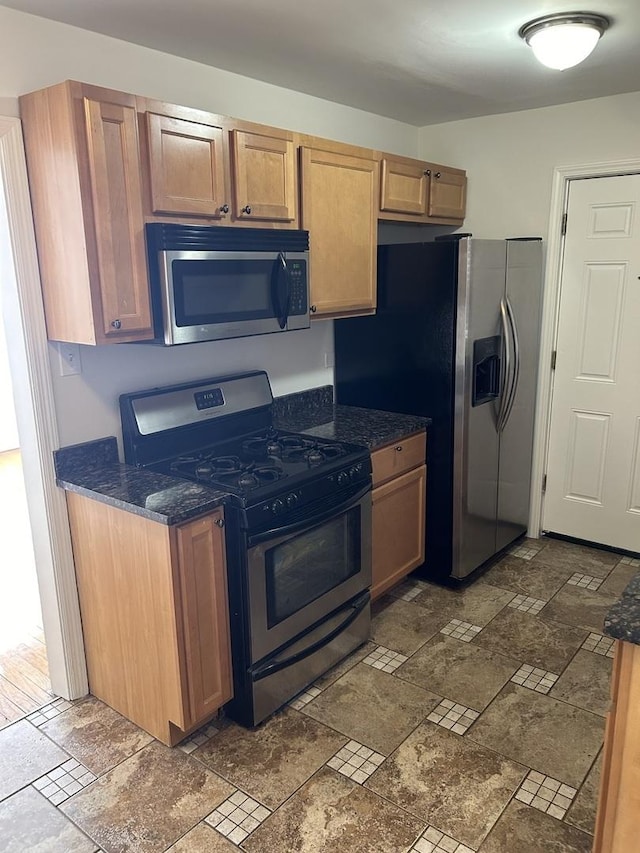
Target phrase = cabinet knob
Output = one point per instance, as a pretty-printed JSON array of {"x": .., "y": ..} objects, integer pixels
[
  {"x": 224, "y": 208},
  {"x": 247, "y": 209},
  {"x": 399, "y": 448},
  {"x": 437, "y": 174},
  {"x": 313, "y": 309},
  {"x": 427, "y": 172},
  {"x": 116, "y": 324},
  {"x": 220, "y": 522}
]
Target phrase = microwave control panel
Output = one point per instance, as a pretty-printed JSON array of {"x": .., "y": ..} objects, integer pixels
[{"x": 298, "y": 287}]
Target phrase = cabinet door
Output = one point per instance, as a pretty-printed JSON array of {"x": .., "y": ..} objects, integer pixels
[
  {"x": 205, "y": 611},
  {"x": 187, "y": 169},
  {"x": 447, "y": 193},
  {"x": 339, "y": 205},
  {"x": 404, "y": 187},
  {"x": 264, "y": 177},
  {"x": 398, "y": 514},
  {"x": 114, "y": 164}
]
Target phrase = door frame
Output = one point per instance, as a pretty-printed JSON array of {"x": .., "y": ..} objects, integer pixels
[
  {"x": 562, "y": 176},
  {"x": 37, "y": 426}
]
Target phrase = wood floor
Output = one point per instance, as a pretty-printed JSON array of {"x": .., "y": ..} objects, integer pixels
[{"x": 24, "y": 672}]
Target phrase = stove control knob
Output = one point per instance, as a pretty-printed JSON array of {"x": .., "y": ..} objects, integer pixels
[
  {"x": 353, "y": 473},
  {"x": 292, "y": 500},
  {"x": 278, "y": 507},
  {"x": 343, "y": 478}
]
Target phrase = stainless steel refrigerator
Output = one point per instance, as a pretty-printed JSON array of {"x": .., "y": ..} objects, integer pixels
[{"x": 456, "y": 338}]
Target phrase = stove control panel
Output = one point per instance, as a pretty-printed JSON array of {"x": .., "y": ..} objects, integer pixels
[{"x": 310, "y": 492}]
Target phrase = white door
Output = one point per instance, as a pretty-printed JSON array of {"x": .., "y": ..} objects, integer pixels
[{"x": 593, "y": 466}]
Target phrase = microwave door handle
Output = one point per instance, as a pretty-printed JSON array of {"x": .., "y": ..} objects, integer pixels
[{"x": 281, "y": 290}]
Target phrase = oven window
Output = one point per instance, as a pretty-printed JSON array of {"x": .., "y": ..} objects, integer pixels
[
  {"x": 307, "y": 566},
  {"x": 222, "y": 291}
]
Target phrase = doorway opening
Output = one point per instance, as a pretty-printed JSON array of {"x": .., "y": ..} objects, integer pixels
[
  {"x": 28, "y": 356},
  {"x": 24, "y": 671}
]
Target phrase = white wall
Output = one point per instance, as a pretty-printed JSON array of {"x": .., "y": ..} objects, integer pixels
[
  {"x": 34, "y": 53},
  {"x": 510, "y": 158}
]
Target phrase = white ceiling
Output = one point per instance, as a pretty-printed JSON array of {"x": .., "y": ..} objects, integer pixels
[{"x": 419, "y": 61}]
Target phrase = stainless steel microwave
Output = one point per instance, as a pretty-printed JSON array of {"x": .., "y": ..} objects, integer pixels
[{"x": 210, "y": 283}]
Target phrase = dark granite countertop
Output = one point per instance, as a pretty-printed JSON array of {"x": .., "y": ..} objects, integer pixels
[
  {"x": 369, "y": 427},
  {"x": 623, "y": 620},
  {"x": 93, "y": 469}
]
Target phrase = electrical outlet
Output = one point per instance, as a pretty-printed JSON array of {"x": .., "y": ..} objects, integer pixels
[
  {"x": 69, "y": 359},
  {"x": 328, "y": 359}
]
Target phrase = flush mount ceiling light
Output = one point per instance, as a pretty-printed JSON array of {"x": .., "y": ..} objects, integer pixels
[{"x": 563, "y": 40}]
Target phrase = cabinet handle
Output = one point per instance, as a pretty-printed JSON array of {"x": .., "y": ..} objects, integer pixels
[
  {"x": 220, "y": 522},
  {"x": 427, "y": 172},
  {"x": 247, "y": 209},
  {"x": 313, "y": 309},
  {"x": 437, "y": 174},
  {"x": 116, "y": 324},
  {"x": 224, "y": 208},
  {"x": 399, "y": 448}
]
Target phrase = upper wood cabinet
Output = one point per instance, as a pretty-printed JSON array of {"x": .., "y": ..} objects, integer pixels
[
  {"x": 213, "y": 168},
  {"x": 264, "y": 177},
  {"x": 187, "y": 167},
  {"x": 339, "y": 206},
  {"x": 411, "y": 190},
  {"x": 85, "y": 179}
]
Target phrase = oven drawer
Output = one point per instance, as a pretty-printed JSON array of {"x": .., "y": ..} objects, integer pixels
[
  {"x": 289, "y": 671},
  {"x": 396, "y": 458}
]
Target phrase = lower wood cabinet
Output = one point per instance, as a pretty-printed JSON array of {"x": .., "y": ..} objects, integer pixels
[
  {"x": 398, "y": 511},
  {"x": 154, "y": 614},
  {"x": 619, "y": 802}
]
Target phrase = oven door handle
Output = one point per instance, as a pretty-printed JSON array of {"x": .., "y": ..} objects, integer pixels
[
  {"x": 267, "y": 669},
  {"x": 308, "y": 522}
]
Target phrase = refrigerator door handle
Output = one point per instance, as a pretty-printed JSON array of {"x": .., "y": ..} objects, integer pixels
[
  {"x": 516, "y": 364},
  {"x": 505, "y": 385}
]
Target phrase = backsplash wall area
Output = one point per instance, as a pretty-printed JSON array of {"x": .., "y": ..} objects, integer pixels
[{"x": 87, "y": 404}]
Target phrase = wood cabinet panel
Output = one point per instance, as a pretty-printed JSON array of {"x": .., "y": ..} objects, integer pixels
[
  {"x": 398, "y": 513},
  {"x": 264, "y": 175},
  {"x": 112, "y": 145},
  {"x": 339, "y": 204},
  {"x": 125, "y": 585},
  {"x": 154, "y": 615},
  {"x": 85, "y": 180},
  {"x": 187, "y": 167},
  {"x": 619, "y": 802},
  {"x": 403, "y": 187},
  {"x": 447, "y": 193},
  {"x": 396, "y": 458},
  {"x": 205, "y": 615},
  {"x": 416, "y": 191}
]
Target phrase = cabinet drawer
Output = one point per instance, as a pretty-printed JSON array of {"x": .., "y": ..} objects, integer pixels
[{"x": 396, "y": 458}]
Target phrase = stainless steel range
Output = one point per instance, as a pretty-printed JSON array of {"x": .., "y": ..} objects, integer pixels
[{"x": 298, "y": 528}]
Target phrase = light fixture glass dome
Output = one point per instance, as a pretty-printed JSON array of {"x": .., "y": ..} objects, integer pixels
[{"x": 564, "y": 40}]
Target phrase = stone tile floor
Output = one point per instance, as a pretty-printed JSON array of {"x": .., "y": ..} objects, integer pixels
[{"x": 471, "y": 723}]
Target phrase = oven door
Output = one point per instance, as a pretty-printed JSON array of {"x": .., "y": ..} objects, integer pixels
[
  {"x": 210, "y": 295},
  {"x": 301, "y": 573}
]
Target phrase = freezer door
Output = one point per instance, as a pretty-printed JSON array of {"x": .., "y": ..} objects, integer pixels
[
  {"x": 523, "y": 304},
  {"x": 478, "y": 385}
]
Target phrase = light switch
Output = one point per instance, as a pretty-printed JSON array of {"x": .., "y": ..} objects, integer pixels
[{"x": 69, "y": 359}]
